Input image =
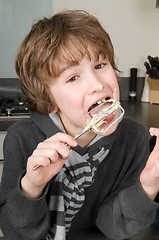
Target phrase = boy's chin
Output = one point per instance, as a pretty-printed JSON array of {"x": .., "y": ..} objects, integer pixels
[{"x": 110, "y": 130}]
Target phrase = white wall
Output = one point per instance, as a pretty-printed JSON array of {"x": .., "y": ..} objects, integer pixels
[
  {"x": 16, "y": 18},
  {"x": 132, "y": 24}
]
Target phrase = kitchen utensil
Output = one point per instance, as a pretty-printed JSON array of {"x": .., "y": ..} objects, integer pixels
[
  {"x": 148, "y": 69},
  {"x": 132, "y": 84},
  {"x": 146, "y": 91},
  {"x": 152, "y": 67},
  {"x": 95, "y": 121}
]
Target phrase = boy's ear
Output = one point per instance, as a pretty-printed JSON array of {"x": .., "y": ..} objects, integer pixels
[{"x": 55, "y": 109}]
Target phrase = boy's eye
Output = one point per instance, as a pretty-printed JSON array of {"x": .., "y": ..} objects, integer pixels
[
  {"x": 99, "y": 66},
  {"x": 72, "y": 79}
]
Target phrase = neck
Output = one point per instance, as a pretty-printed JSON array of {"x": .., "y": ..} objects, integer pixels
[
  {"x": 86, "y": 138},
  {"x": 70, "y": 129}
]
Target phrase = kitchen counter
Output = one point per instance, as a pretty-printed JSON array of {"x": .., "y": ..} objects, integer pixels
[
  {"x": 4, "y": 125},
  {"x": 6, "y": 122},
  {"x": 145, "y": 113}
]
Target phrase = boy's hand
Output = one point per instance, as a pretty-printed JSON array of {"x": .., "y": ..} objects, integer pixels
[
  {"x": 51, "y": 155},
  {"x": 149, "y": 177}
]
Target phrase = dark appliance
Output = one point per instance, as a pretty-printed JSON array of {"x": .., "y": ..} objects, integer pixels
[{"x": 13, "y": 107}]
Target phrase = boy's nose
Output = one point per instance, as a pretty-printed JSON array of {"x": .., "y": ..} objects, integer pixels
[{"x": 95, "y": 86}]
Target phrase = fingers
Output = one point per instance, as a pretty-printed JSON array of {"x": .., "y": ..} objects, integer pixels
[
  {"x": 63, "y": 138},
  {"x": 49, "y": 158},
  {"x": 34, "y": 162},
  {"x": 52, "y": 150},
  {"x": 154, "y": 131}
]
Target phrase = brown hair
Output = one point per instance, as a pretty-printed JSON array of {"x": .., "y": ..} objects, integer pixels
[{"x": 48, "y": 44}]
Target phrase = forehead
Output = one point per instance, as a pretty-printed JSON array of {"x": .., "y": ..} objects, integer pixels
[{"x": 72, "y": 52}]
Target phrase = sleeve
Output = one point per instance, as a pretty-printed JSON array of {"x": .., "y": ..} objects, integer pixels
[
  {"x": 128, "y": 210},
  {"x": 20, "y": 218},
  {"x": 127, "y": 214}
]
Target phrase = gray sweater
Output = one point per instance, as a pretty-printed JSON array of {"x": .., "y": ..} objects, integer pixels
[{"x": 115, "y": 202}]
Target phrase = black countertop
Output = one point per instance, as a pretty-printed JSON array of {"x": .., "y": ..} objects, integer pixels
[
  {"x": 6, "y": 122},
  {"x": 145, "y": 113}
]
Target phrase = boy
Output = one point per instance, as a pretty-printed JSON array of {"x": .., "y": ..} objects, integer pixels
[{"x": 66, "y": 66}]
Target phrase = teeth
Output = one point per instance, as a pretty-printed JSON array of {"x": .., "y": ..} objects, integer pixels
[
  {"x": 98, "y": 103},
  {"x": 102, "y": 101}
]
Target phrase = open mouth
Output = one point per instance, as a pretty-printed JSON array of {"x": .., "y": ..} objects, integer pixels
[
  {"x": 98, "y": 106},
  {"x": 103, "y": 115}
]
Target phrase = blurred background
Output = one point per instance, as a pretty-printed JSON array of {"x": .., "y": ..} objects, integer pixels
[{"x": 131, "y": 24}]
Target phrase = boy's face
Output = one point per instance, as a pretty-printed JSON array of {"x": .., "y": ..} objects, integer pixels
[{"x": 79, "y": 87}]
